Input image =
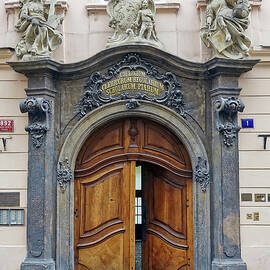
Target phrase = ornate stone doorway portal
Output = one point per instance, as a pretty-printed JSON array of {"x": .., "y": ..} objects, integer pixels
[{"x": 68, "y": 103}]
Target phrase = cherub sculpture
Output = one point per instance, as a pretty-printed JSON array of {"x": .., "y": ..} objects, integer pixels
[
  {"x": 133, "y": 22},
  {"x": 38, "y": 25},
  {"x": 226, "y": 22},
  {"x": 146, "y": 23}
]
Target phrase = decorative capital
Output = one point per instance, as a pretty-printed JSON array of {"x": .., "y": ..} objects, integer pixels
[
  {"x": 202, "y": 174},
  {"x": 229, "y": 106},
  {"x": 35, "y": 105},
  {"x": 38, "y": 109},
  {"x": 64, "y": 174},
  {"x": 227, "y": 109}
]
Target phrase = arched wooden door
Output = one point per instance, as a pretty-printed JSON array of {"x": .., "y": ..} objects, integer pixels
[{"x": 104, "y": 216}]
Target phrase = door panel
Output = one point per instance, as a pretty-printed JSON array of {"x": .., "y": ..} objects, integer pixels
[
  {"x": 167, "y": 244},
  {"x": 106, "y": 255},
  {"x": 104, "y": 217}
]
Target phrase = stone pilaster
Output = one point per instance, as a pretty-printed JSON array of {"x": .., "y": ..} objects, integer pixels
[
  {"x": 41, "y": 199},
  {"x": 225, "y": 208}
]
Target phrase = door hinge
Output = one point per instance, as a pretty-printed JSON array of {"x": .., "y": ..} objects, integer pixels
[{"x": 76, "y": 213}]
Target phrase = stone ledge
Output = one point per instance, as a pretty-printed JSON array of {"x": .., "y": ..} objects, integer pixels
[
  {"x": 162, "y": 5},
  {"x": 6, "y": 54},
  {"x": 61, "y": 5},
  {"x": 253, "y": 3},
  {"x": 262, "y": 52}
]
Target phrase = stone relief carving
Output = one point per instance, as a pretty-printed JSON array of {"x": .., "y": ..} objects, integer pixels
[
  {"x": 226, "y": 22},
  {"x": 202, "y": 174},
  {"x": 38, "y": 132},
  {"x": 64, "y": 174},
  {"x": 132, "y": 104},
  {"x": 227, "y": 109},
  {"x": 133, "y": 22},
  {"x": 37, "y": 249},
  {"x": 93, "y": 96},
  {"x": 38, "y": 27},
  {"x": 231, "y": 251},
  {"x": 38, "y": 109}
]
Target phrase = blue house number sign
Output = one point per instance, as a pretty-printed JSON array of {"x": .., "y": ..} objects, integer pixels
[{"x": 247, "y": 123}]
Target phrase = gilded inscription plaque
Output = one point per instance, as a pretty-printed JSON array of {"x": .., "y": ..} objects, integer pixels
[
  {"x": 133, "y": 82},
  {"x": 132, "y": 79}
]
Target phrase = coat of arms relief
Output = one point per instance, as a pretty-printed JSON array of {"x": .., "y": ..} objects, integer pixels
[{"x": 133, "y": 22}]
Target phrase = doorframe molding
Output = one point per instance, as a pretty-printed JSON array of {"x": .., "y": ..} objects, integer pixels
[{"x": 184, "y": 130}]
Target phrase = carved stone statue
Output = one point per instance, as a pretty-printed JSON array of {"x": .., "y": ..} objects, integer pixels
[
  {"x": 38, "y": 25},
  {"x": 133, "y": 22},
  {"x": 226, "y": 22}
]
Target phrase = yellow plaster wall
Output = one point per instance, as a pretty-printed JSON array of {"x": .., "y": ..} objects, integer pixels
[
  {"x": 13, "y": 162},
  {"x": 255, "y": 162},
  {"x": 85, "y": 31}
]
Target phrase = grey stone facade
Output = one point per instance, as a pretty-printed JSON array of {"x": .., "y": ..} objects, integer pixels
[{"x": 208, "y": 128}]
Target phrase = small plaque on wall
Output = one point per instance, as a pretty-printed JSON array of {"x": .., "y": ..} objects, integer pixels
[
  {"x": 246, "y": 197},
  {"x": 9, "y": 199},
  {"x": 256, "y": 216},
  {"x": 247, "y": 123},
  {"x": 6, "y": 125},
  {"x": 260, "y": 197},
  {"x": 11, "y": 217}
]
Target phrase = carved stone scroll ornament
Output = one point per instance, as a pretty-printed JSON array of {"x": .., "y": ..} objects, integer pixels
[
  {"x": 94, "y": 96},
  {"x": 38, "y": 109},
  {"x": 133, "y": 22},
  {"x": 226, "y": 23},
  {"x": 64, "y": 174},
  {"x": 227, "y": 109},
  {"x": 202, "y": 174},
  {"x": 231, "y": 251},
  {"x": 38, "y": 27}
]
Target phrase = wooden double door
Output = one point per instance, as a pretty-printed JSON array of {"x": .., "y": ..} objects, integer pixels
[{"x": 105, "y": 192}]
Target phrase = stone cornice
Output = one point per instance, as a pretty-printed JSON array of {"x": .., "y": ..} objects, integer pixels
[
  {"x": 61, "y": 5},
  {"x": 253, "y": 3},
  {"x": 212, "y": 68},
  {"x": 164, "y": 5},
  {"x": 5, "y": 55},
  {"x": 261, "y": 52}
]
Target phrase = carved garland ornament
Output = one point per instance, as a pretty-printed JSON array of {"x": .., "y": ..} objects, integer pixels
[
  {"x": 202, "y": 174},
  {"x": 38, "y": 109},
  {"x": 64, "y": 174},
  {"x": 227, "y": 109},
  {"x": 94, "y": 96}
]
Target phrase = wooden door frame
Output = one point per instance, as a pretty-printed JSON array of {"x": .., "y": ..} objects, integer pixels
[{"x": 187, "y": 132}]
